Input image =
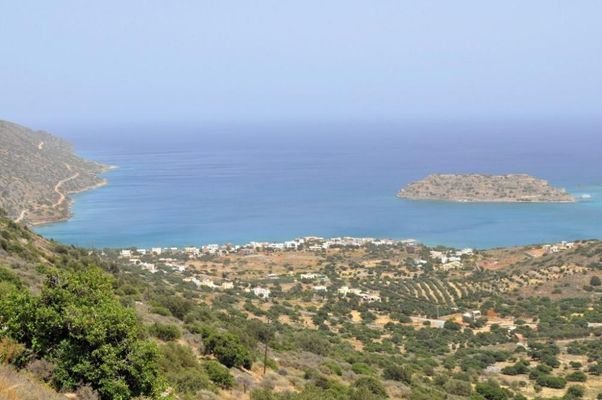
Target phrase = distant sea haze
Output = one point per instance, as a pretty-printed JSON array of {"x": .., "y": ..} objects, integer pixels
[{"x": 193, "y": 185}]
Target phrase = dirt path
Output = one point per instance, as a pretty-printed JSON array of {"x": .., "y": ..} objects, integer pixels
[
  {"x": 61, "y": 194},
  {"x": 21, "y": 216}
]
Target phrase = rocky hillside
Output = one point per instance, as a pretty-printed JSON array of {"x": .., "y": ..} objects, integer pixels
[
  {"x": 513, "y": 188},
  {"x": 38, "y": 171},
  {"x": 502, "y": 324}
]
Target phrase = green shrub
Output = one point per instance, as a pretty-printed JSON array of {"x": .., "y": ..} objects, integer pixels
[
  {"x": 219, "y": 374},
  {"x": 551, "y": 381},
  {"x": 521, "y": 367},
  {"x": 576, "y": 376},
  {"x": 458, "y": 388},
  {"x": 397, "y": 373},
  {"x": 228, "y": 350},
  {"x": 78, "y": 324},
  {"x": 371, "y": 385},
  {"x": 491, "y": 391},
  {"x": 362, "y": 369},
  {"x": 182, "y": 369},
  {"x": 165, "y": 332},
  {"x": 574, "y": 392}
]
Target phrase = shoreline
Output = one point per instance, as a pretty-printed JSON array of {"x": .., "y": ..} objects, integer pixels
[
  {"x": 68, "y": 213},
  {"x": 484, "y": 201},
  {"x": 70, "y": 200}
]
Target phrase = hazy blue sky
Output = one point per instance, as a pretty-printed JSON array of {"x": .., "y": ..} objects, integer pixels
[{"x": 113, "y": 61}]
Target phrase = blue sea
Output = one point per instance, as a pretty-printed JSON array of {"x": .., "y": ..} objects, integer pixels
[{"x": 193, "y": 184}]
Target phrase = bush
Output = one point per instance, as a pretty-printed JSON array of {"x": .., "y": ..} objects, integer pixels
[
  {"x": 371, "y": 385},
  {"x": 10, "y": 350},
  {"x": 521, "y": 367},
  {"x": 263, "y": 394},
  {"x": 79, "y": 325},
  {"x": 574, "y": 392},
  {"x": 397, "y": 373},
  {"x": 86, "y": 393},
  {"x": 182, "y": 369},
  {"x": 451, "y": 325},
  {"x": 551, "y": 381},
  {"x": 219, "y": 374},
  {"x": 313, "y": 342},
  {"x": 228, "y": 350},
  {"x": 491, "y": 391},
  {"x": 165, "y": 332},
  {"x": 576, "y": 376},
  {"x": 362, "y": 369},
  {"x": 595, "y": 281},
  {"x": 41, "y": 369},
  {"x": 9, "y": 277},
  {"x": 458, "y": 388}
]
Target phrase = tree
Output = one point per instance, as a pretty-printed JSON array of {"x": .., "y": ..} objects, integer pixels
[
  {"x": 491, "y": 391},
  {"x": 228, "y": 350},
  {"x": 574, "y": 392},
  {"x": 595, "y": 281},
  {"x": 451, "y": 325},
  {"x": 80, "y": 326}
]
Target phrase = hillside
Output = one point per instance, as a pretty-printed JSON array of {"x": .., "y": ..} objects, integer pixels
[
  {"x": 38, "y": 171},
  {"x": 369, "y": 321},
  {"x": 512, "y": 188}
]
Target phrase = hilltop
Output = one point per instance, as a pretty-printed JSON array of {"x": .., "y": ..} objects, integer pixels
[
  {"x": 38, "y": 171},
  {"x": 512, "y": 188}
]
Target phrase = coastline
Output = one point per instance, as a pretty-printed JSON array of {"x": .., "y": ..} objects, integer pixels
[
  {"x": 486, "y": 201},
  {"x": 68, "y": 214}
]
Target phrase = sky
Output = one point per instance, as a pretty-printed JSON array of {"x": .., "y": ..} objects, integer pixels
[{"x": 92, "y": 62}]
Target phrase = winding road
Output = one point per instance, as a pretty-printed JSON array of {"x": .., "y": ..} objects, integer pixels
[
  {"x": 21, "y": 216},
  {"x": 61, "y": 194},
  {"x": 57, "y": 189}
]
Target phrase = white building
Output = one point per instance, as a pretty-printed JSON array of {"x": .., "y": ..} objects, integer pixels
[
  {"x": 211, "y": 248},
  {"x": 261, "y": 292},
  {"x": 343, "y": 290},
  {"x": 157, "y": 251},
  {"x": 193, "y": 280},
  {"x": 149, "y": 267},
  {"x": 193, "y": 251},
  {"x": 208, "y": 283},
  {"x": 125, "y": 253}
]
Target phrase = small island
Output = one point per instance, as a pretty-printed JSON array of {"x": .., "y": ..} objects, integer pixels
[{"x": 511, "y": 188}]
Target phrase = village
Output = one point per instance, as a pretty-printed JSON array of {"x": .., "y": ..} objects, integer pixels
[
  {"x": 241, "y": 269},
  {"x": 400, "y": 297}
]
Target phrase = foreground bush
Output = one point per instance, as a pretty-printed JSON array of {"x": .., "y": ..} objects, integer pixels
[
  {"x": 77, "y": 324},
  {"x": 219, "y": 374}
]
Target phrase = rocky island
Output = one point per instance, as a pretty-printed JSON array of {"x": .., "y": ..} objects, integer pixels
[
  {"x": 511, "y": 188},
  {"x": 38, "y": 172}
]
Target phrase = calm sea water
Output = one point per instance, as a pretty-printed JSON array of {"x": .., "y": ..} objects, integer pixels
[{"x": 191, "y": 185}]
